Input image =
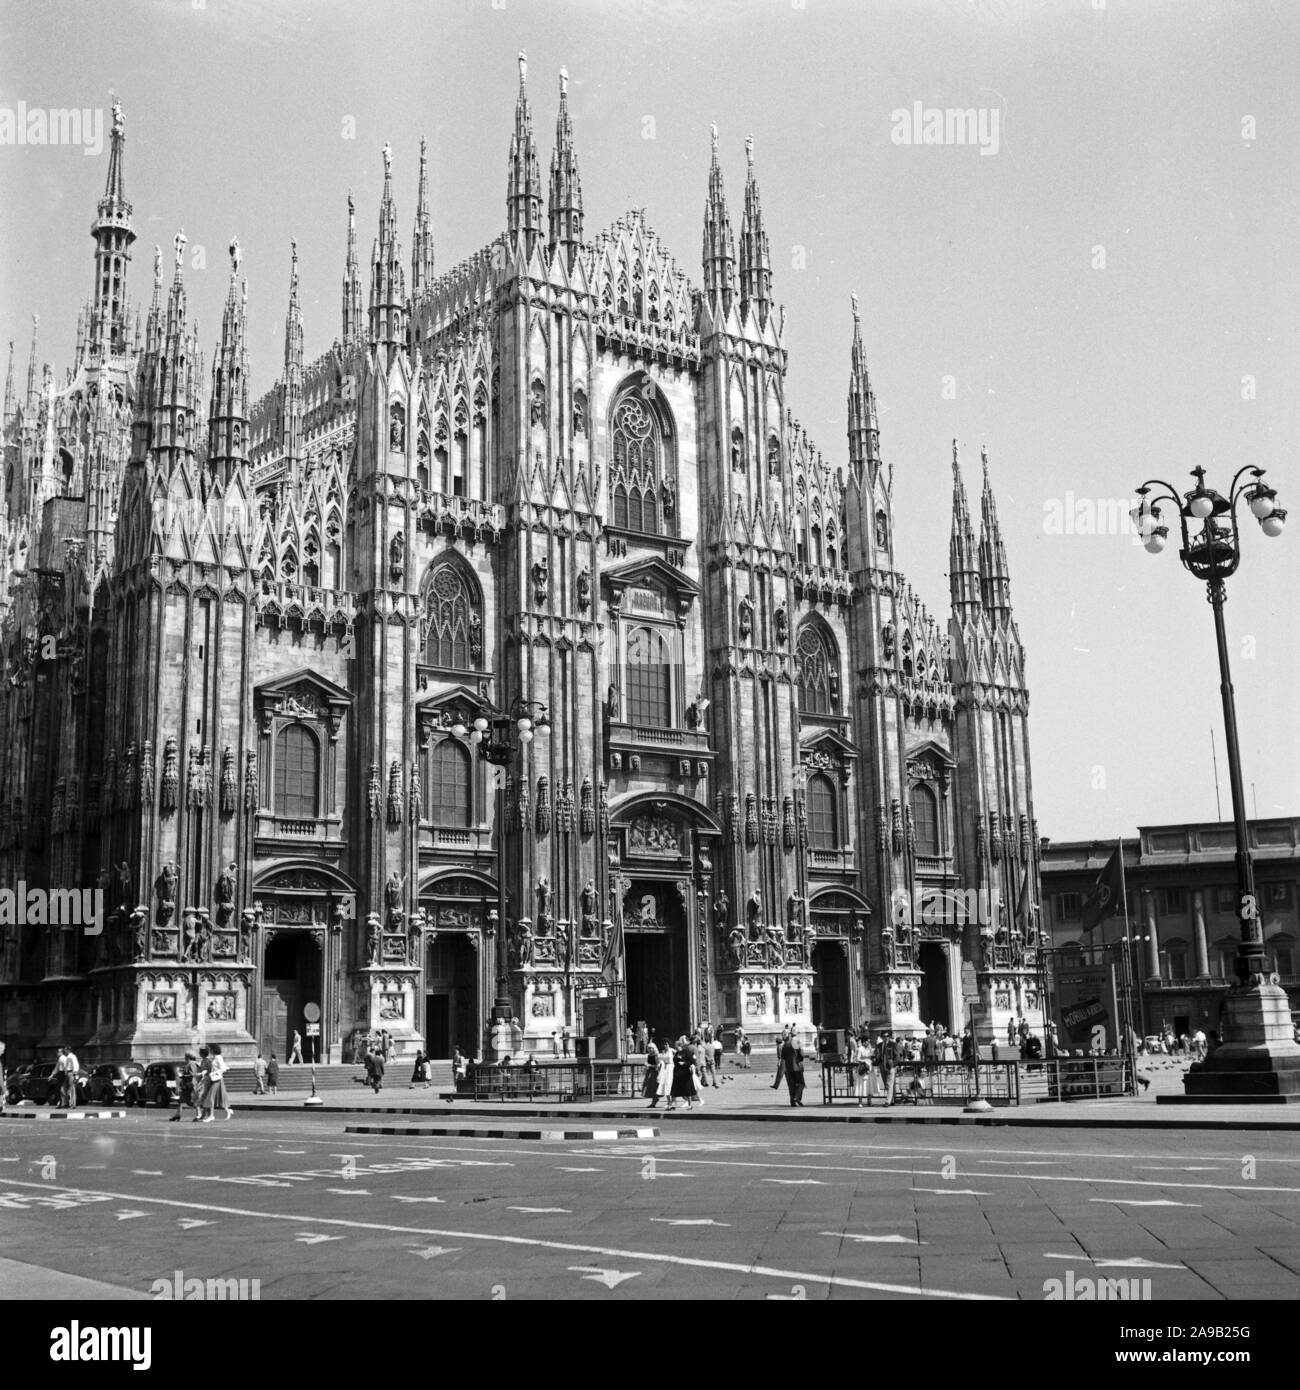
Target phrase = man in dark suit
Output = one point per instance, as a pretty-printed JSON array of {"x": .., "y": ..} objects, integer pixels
[{"x": 792, "y": 1065}]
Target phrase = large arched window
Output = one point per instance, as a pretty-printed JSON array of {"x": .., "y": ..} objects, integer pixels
[
  {"x": 925, "y": 820},
  {"x": 450, "y": 802},
  {"x": 817, "y": 663},
  {"x": 455, "y": 623},
  {"x": 297, "y": 773},
  {"x": 639, "y": 479},
  {"x": 823, "y": 813},
  {"x": 649, "y": 679}
]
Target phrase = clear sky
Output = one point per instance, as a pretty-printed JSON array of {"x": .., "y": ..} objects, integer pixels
[{"x": 1109, "y": 294}]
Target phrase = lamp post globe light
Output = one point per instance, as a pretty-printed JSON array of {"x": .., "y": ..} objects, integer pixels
[
  {"x": 501, "y": 737},
  {"x": 1258, "y": 1055}
]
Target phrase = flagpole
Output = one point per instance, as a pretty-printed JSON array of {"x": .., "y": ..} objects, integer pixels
[{"x": 1128, "y": 964}]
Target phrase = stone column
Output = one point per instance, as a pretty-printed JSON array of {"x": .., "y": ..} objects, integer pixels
[
  {"x": 1153, "y": 937},
  {"x": 1198, "y": 922}
]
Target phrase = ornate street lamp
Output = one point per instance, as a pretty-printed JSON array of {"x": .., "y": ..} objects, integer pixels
[
  {"x": 500, "y": 737},
  {"x": 1257, "y": 1055}
]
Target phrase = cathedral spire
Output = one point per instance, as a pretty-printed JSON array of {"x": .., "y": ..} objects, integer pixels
[
  {"x": 719, "y": 247},
  {"x": 566, "y": 185},
  {"x": 172, "y": 395},
  {"x": 351, "y": 282},
  {"x": 228, "y": 410},
  {"x": 524, "y": 186},
  {"x": 864, "y": 428},
  {"x": 963, "y": 559},
  {"x": 422, "y": 235},
  {"x": 293, "y": 407},
  {"x": 755, "y": 258},
  {"x": 387, "y": 280},
  {"x": 31, "y": 370},
  {"x": 9, "y": 385},
  {"x": 995, "y": 580},
  {"x": 113, "y": 237}
]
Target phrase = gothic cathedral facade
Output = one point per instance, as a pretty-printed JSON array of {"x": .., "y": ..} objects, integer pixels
[{"x": 246, "y": 641}]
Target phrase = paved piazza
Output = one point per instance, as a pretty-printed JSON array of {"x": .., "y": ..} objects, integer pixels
[{"x": 706, "y": 1210}]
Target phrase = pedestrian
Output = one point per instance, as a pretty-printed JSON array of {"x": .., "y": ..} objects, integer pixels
[
  {"x": 862, "y": 1070},
  {"x": 377, "y": 1071},
  {"x": 71, "y": 1066},
  {"x": 683, "y": 1084},
  {"x": 780, "y": 1065},
  {"x": 745, "y": 1047},
  {"x": 887, "y": 1061},
  {"x": 259, "y": 1075},
  {"x": 792, "y": 1062},
  {"x": 216, "y": 1090},
  {"x": 642, "y": 1036},
  {"x": 650, "y": 1083},
  {"x": 417, "y": 1070},
  {"x": 459, "y": 1066},
  {"x": 717, "y": 1052},
  {"x": 385, "y": 1046},
  {"x": 629, "y": 1039},
  {"x": 426, "y": 1070},
  {"x": 704, "y": 1052},
  {"x": 273, "y": 1075},
  {"x": 295, "y": 1050},
  {"x": 665, "y": 1069},
  {"x": 564, "y": 1039}
]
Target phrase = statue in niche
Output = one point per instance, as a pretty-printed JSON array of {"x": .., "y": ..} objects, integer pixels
[
  {"x": 736, "y": 941},
  {"x": 589, "y": 898},
  {"x": 775, "y": 944},
  {"x": 165, "y": 890},
  {"x": 887, "y": 639},
  {"x": 414, "y": 936},
  {"x": 524, "y": 943},
  {"x": 541, "y": 573},
  {"x": 754, "y": 912},
  {"x": 746, "y": 616},
  {"x": 669, "y": 494},
  {"x": 721, "y": 908},
  {"x": 140, "y": 927},
  {"x": 611, "y": 702},
  {"x": 397, "y": 428},
  {"x": 397, "y": 557},
  {"x": 781, "y": 623},
  {"x": 224, "y": 892},
  {"x": 882, "y": 531},
  {"x": 372, "y": 939},
  {"x": 393, "y": 900},
  {"x": 584, "y": 589},
  {"x": 579, "y": 413},
  {"x": 543, "y": 900},
  {"x": 247, "y": 927},
  {"x": 537, "y": 405}
]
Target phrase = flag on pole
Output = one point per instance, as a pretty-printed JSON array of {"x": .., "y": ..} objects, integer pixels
[
  {"x": 611, "y": 964},
  {"x": 1107, "y": 893},
  {"x": 1023, "y": 906}
]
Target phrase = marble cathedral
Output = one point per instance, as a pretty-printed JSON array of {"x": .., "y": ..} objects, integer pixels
[{"x": 245, "y": 640}]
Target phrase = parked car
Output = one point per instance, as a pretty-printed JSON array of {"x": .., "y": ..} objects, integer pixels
[
  {"x": 161, "y": 1083},
  {"x": 15, "y": 1081},
  {"x": 41, "y": 1085},
  {"x": 116, "y": 1083}
]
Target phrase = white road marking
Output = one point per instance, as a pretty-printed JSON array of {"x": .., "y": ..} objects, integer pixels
[
  {"x": 651, "y": 1256},
  {"x": 879, "y": 1240},
  {"x": 543, "y": 1211},
  {"x": 188, "y": 1223},
  {"x": 349, "y": 1191},
  {"x": 130, "y": 1215},
  {"x": 289, "y": 1151},
  {"x": 1025, "y": 1162},
  {"x": 1163, "y": 1168},
  {"x": 956, "y": 1191},
  {"x": 430, "y": 1252},
  {"x": 1137, "y": 1202},
  {"x": 579, "y": 1170},
  {"x": 235, "y": 1148},
  {"x": 312, "y": 1238},
  {"x": 611, "y": 1278},
  {"x": 417, "y": 1199},
  {"x": 1136, "y": 1263},
  {"x": 687, "y": 1221},
  {"x": 796, "y": 1182},
  {"x": 147, "y": 1172}
]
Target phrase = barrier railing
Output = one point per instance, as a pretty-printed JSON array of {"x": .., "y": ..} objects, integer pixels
[{"x": 562, "y": 1081}]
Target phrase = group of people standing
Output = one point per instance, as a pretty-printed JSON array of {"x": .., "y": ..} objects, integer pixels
[
  {"x": 680, "y": 1071},
  {"x": 202, "y": 1085}
]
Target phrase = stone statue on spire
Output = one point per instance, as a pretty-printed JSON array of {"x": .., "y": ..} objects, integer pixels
[
  {"x": 179, "y": 243},
  {"x": 388, "y": 159},
  {"x": 523, "y": 67},
  {"x": 236, "y": 255},
  {"x": 749, "y": 149},
  {"x": 854, "y": 298},
  {"x": 119, "y": 121},
  {"x": 713, "y": 136}
]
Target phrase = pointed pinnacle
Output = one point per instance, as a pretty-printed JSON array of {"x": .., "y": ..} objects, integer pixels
[
  {"x": 564, "y": 83},
  {"x": 523, "y": 67}
]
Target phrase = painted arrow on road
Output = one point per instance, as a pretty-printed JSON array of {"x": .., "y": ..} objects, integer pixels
[
  {"x": 953, "y": 1191},
  {"x": 611, "y": 1278},
  {"x": 129, "y": 1215},
  {"x": 879, "y": 1240},
  {"x": 308, "y": 1238},
  {"x": 188, "y": 1223},
  {"x": 1136, "y": 1263},
  {"x": 1136, "y": 1202},
  {"x": 797, "y": 1182},
  {"x": 349, "y": 1191},
  {"x": 429, "y": 1252},
  {"x": 579, "y": 1170},
  {"x": 689, "y": 1221},
  {"x": 543, "y": 1211}
]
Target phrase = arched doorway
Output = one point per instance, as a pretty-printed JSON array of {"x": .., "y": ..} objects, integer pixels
[
  {"x": 830, "y": 991},
  {"x": 654, "y": 936},
  {"x": 291, "y": 979},
  {"x": 454, "y": 1007},
  {"x": 935, "y": 1003}
]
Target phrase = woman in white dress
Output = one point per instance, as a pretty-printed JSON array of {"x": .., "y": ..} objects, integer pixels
[{"x": 862, "y": 1070}]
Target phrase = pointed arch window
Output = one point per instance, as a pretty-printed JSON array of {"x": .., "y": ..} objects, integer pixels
[
  {"x": 297, "y": 773},
  {"x": 453, "y": 614},
  {"x": 823, "y": 813},
  {"x": 638, "y": 467},
  {"x": 925, "y": 820},
  {"x": 449, "y": 793},
  {"x": 817, "y": 665}
]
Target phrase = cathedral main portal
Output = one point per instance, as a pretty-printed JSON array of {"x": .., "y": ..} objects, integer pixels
[{"x": 656, "y": 963}]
